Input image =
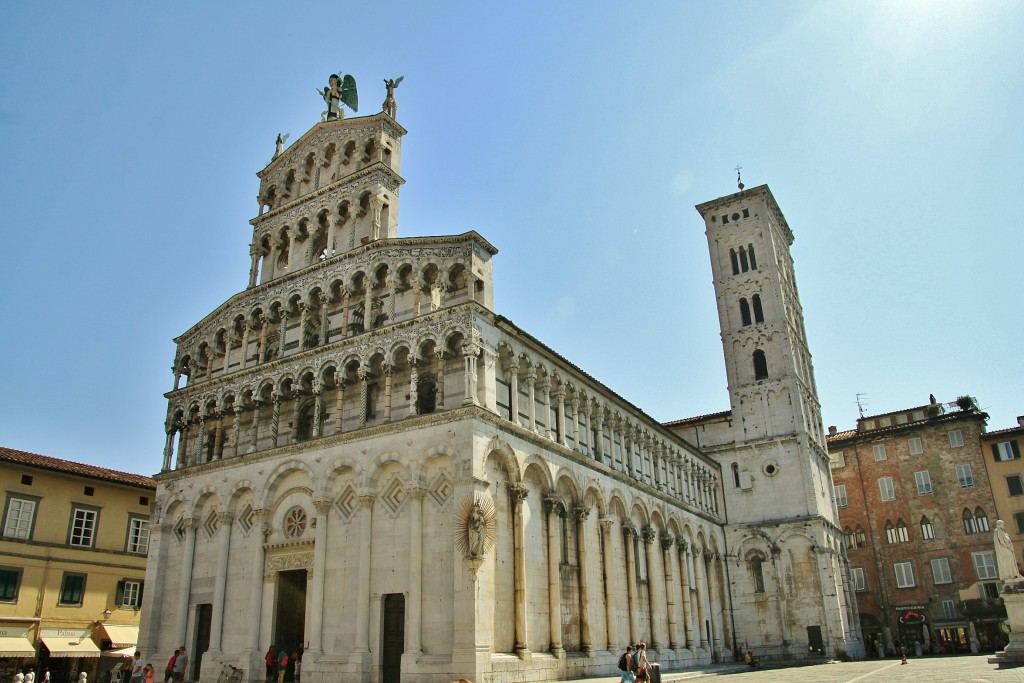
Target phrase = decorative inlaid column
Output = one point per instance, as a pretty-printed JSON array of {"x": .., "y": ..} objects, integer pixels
[
  {"x": 555, "y": 509},
  {"x": 218, "y": 436},
  {"x": 254, "y": 614},
  {"x": 670, "y": 590},
  {"x": 470, "y": 352},
  {"x": 254, "y": 265},
  {"x": 224, "y": 521},
  {"x": 367, "y": 303},
  {"x": 575, "y": 403},
  {"x": 362, "y": 643},
  {"x": 414, "y": 380},
  {"x": 185, "y": 582},
  {"x": 227, "y": 353},
  {"x": 654, "y": 598},
  {"x": 284, "y": 334},
  {"x": 318, "y": 409},
  {"x": 209, "y": 359},
  {"x": 295, "y": 418},
  {"x": 414, "y": 627},
  {"x": 261, "y": 352},
  {"x": 176, "y": 369},
  {"x": 316, "y": 617},
  {"x": 168, "y": 447},
  {"x": 599, "y": 454},
  {"x": 518, "y": 494},
  {"x": 512, "y": 368},
  {"x": 275, "y": 420},
  {"x": 588, "y": 410},
  {"x": 684, "y": 562},
  {"x": 325, "y": 322},
  {"x": 339, "y": 404},
  {"x": 389, "y": 373},
  {"x": 237, "y": 424},
  {"x": 392, "y": 286},
  {"x": 201, "y": 441},
  {"x": 439, "y": 400},
  {"x": 629, "y": 533},
  {"x": 627, "y": 445},
  {"x": 363, "y": 375},
  {"x": 656, "y": 464},
  {"x": 580, "y": 514},
  {"x": 545, "y": 393},
  {"x": 376, "y": 204},
  {"x": 701, "y": 580},
  {"x": 531, "y": 410},
  {"x": 610, "y": 601},
  {"x": 346, "y": 299},
  {"x": 560, "y": 425},
  {"x": 256, "y": 403},
  {"x": 245, "y": 345}
]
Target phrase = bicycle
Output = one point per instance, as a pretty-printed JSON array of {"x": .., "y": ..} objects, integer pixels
[{"x": 230, "y": 674}]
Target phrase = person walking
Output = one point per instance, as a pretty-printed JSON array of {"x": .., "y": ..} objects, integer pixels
[
  {"x": 626, "y": 666},
  {"x": 271, "y": 662}
]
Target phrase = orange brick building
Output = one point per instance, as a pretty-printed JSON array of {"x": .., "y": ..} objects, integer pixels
[{"x": 917, "y": 512}]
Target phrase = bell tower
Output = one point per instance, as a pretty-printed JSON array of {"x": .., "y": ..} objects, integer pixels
[{"x": 791, "y": 595}]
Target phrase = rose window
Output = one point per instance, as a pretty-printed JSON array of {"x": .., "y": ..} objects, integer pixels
[{"x": 295, "y": 522}]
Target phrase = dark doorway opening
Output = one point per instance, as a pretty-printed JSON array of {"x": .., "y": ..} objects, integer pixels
[
  {"x": 204, "y": 618},
  {"x": 290, "y": 624},
  {"x": 814, "y": 642},
  {"x": 393, "y": 635}
]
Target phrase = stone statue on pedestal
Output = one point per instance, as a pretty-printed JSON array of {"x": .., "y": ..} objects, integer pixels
[{"x": 1006, "y": 557}]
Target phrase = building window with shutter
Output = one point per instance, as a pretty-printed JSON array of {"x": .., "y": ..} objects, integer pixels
[
  {"x": 1005, "y": 451},
  {"x": 129, "y": 594},
  {"x": 965, "y": 476},
  {"x": 956, "y": 438},
  {"x": 940, "y": 571},
  {"x": 904, "y": 574},
  {"x": 886, "y": 488}
]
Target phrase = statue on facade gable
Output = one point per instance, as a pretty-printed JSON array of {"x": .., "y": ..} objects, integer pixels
[
  {"x": 279, "y": 145},
  {"x": 340, "y": 90},
  {"x": 390, "y": 106},
  {"x": 1006, "y": 558}
]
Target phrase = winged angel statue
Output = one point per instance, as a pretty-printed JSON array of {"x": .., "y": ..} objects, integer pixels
[{"x": 340, "y": 90}]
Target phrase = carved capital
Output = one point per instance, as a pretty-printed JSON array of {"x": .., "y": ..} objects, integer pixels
[
  {"x": 649, "y": 535},
  {"x": 367, "y": 498},
  {"x": 518, "y": 492},
  {"x": 554, "y": 504},
  {"x": 322, "y": 506},
  {"x": 581, "y": 512},
  {"x": 606, "y": 522},
  {"x": 667, "y": 541}
]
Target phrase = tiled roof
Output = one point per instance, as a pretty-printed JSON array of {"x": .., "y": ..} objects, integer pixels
[
  {"x": 80, "y": 469},
  {"x": 1000, "y": 432},
  {"x": 697, "y": 418},
  {"x": 870, "y": 433}
]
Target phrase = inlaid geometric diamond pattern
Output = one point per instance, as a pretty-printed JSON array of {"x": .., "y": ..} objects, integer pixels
[
  {"x": 441, "y": 490},
  {"x": 210, "y": 524},
  {"x": 346, "y": 502},
  {"x": 394, "y": 495},
  {"x": 247, "y": 518},
  {"x": 179, "y": 529}
]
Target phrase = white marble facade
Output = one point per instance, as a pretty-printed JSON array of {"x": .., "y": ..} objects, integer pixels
[{"x": 329, "y": 426}]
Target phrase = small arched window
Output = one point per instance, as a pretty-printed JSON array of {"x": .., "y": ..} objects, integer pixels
[
  {"x": 902, "y": 536},
  {"x": 744, "y": 266},
  {"x": 744, "y": 312},
  {"x": 848, "y": 538},
  {"x": 970, "y": 526},
  {"x": 927, "y": 530},
  {"x": 736, "y": 475},
  {"x": 890, "y": 533},
  {"x": 735, "y": 262},
  {"x": 756, "y": 571},
  {"x": 750, "y": 253},
  {"x": 760, "y": 365},
  {"x": 980, "y": 519},
  {"x": 859, "y": 537},
  {"x": 758, "y": 313}
]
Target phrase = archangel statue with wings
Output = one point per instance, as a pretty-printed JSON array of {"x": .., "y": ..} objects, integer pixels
[{"x": 340, "y": 90}]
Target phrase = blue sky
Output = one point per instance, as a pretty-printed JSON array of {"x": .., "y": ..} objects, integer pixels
[{"x": 574, "y": 136}]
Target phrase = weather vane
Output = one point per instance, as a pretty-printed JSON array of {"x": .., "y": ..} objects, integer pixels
[{"x": 739, "y": 183}]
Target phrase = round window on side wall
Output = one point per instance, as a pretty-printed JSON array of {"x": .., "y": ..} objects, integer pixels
[{"x": 770, "y": 469}]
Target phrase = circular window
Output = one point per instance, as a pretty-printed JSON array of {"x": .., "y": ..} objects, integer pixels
[
  {"x": 771, "y": 469},
  {"x": 295, "y": 522},
  {"x": 735, "y": 216}
]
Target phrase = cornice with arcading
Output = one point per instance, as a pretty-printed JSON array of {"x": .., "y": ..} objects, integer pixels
[
  {"x": 466, "y": 316},
  {"x": 324, "y": 130},
  {"x": 320, "y": 274},
  {"x": 303, "y": 448},
  {"x": 353, "y": 182}
]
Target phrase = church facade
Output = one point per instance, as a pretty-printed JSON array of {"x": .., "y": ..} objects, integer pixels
[{"x": 367, "y": 464}]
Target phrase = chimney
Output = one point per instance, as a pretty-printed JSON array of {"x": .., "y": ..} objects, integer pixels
[{"x": 832, "y": 428}]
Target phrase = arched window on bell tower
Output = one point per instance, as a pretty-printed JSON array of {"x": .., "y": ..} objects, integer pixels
[
  {"x": 736, "y": 475},
  {"x": 744, "y": 266},
  {"x": 758, "y": 313},
  {"x": 744, "y": 312},
  {"x": 760, "y": 365},
  {"x": 750, "y": 254},
  {"x": 735, "y": 262}
]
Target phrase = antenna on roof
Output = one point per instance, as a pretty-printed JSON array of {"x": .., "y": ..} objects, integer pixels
[
  {"x": 861, "y": 404},
  {"x": 739, "y": 183}
]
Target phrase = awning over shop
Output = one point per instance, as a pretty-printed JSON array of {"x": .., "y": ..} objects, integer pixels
[
  {"x": 122, "y": 636},
  {"x": 123, "y": 652},
  {"x": 69, "y": 642},
  {"x": 15, "y": 643}
]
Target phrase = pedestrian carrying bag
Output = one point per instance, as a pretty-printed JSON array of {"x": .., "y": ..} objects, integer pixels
[{"x": 622, "y": 662}]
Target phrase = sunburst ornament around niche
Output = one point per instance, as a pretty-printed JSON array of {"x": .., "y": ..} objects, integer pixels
[{"x": 476, "y": 528}]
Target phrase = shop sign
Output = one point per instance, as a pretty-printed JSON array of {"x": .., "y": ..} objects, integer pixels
[
  {"x": 13, "y": 631},
  {"x": 913, "y": 618}
]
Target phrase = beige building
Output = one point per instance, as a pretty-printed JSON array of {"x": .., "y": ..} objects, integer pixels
[
  {"x": 366, "y": 462},
  {"x": 72, "y": 565},
  {"x": 1001, "y": 450}
]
